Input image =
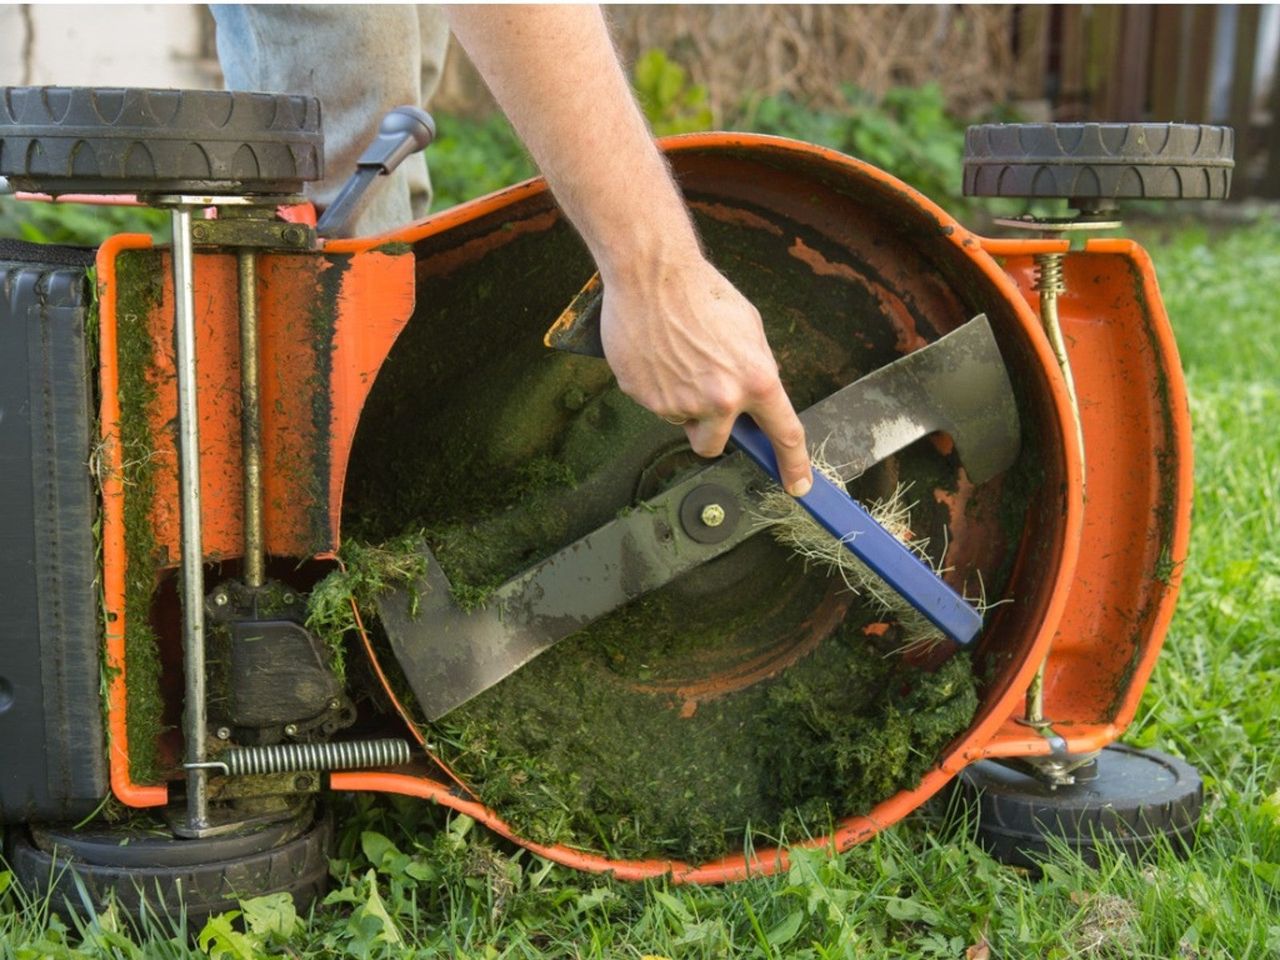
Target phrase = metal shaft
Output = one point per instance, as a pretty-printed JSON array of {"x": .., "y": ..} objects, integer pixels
[
  {"x": 1051, "y": 283},
  {"x": 193, "y": 659},
  {"x": 251, "y": 421}
]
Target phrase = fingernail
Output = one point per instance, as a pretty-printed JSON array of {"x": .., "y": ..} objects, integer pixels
[{"x": 801, "y": 487}]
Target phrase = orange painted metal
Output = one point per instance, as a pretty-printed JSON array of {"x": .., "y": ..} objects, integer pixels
[
  {"x": 326, "y": 324},
  {"x": 324, "y": 321},
  {"x": 1138, "y": 457}
]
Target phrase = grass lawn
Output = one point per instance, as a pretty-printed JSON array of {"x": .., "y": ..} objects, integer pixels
[{"x": 410, "y": 882}]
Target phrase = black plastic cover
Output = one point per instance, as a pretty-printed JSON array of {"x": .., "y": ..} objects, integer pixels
[{"x": 52, "y": 747}]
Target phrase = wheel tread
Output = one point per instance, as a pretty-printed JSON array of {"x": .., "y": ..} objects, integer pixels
[
  {"x": 298, "y": 866},
  {"x": 1017, "y": 815},
  {"x": 245, "y": 142},
  {"x": 1176, "y": 161}
]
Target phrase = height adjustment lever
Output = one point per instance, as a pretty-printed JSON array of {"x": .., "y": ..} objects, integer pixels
[{"x": 403, "y": 132}]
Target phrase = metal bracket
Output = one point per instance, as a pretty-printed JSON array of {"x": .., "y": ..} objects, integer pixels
[
  {"x": 253, "y": 232},
  {"x": 1060, "y": 768}
]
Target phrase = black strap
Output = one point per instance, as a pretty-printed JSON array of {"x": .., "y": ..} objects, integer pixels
[{"x": 21, "y": 251}]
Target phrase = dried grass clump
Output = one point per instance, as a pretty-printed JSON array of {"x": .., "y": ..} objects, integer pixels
[{"x": 793, "y": 527}]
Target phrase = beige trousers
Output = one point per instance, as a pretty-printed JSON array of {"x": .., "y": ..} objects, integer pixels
[{"x": 360, "y": 60}]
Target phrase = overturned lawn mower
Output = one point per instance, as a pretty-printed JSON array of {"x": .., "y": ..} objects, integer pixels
[{"x": 350, "y": 525}]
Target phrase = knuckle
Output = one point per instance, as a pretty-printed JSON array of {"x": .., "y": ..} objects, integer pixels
[
  {"x": 705, "y": 446},
  {"x": 761, "y": 383},
  {"x": 722, "y": 401},
  {"x": 792, "y": 437}
]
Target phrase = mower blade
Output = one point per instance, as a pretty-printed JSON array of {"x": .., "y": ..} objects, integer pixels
[{"x": 957, "y": 384}]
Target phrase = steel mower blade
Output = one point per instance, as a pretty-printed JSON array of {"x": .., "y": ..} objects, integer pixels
[{"x": 957, "y": 385}]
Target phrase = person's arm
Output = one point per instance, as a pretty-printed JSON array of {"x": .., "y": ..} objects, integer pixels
[{"x": 680, "y": 338}]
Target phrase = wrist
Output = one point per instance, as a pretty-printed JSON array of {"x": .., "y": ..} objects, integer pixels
[{"x": 646, "y": 253}]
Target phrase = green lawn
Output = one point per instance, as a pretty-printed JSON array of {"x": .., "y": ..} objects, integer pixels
[{"x": 408, "y": 881}]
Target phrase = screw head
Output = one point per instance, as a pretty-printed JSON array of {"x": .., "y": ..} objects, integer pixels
[
  {"x": 335, "y": 703},
  {"x": 293, "y": 235},
  {"x": 290, "y": 729},
  {"x": 199, "y": 231},
  {"x": 288, "y": 598},
  {"x": 712, "y": 515},
  {"x": 223, "y": 733},
  {"x": 220, "y": 598}
]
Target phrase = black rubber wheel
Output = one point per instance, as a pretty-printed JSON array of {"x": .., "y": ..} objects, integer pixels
[
  {"x": 1138, "y": 797},
  {"x": 122, "y": 140},
  {"x": 1099, "y": 161},
  {"x": 204, "y": 877}
]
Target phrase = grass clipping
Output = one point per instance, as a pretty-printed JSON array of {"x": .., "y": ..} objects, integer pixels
[
  {"x": 575, "y": 748},
  {"x": 796, "y": 529}
]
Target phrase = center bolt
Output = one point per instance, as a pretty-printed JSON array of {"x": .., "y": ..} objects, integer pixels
[{"x": 712, "y": 515}]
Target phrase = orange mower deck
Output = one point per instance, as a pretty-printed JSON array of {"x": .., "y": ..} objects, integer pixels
[{"x": 1093, "y": 581}]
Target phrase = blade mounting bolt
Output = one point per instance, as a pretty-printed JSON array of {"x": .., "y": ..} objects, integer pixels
[{"x": 712, "y": 515}]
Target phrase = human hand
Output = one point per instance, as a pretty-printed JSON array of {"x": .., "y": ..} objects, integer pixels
[{"x": 683, "y": 342}]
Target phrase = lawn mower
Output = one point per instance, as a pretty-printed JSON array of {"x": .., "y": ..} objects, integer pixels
[{"x": 288, "y": 512}]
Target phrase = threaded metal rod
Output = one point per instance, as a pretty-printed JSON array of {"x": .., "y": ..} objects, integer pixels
[
  {"x": 251, "y": 421},
  {"x": 1051, "y": 283}
]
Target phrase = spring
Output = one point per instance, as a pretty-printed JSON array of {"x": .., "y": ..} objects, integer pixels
[
  {"x": 1049, "y": 274},
  {"x": 292, "y": 757}
]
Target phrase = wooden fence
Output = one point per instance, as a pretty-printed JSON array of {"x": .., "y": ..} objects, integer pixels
[{"x": 1158, "y": 62}]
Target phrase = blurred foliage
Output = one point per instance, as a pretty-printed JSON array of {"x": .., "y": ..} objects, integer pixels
[
  {"x": 77, "y": 224},
  {"x": 470, "y": 158},
  {"x": 907, "y": 132},
  {"x": 670, "y": 102}
]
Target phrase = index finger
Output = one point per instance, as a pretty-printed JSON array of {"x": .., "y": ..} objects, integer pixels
[{"x": 777, "y": 418}]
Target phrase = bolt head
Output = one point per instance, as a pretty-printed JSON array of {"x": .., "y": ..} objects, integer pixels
[{"x": 712, "y": 515}]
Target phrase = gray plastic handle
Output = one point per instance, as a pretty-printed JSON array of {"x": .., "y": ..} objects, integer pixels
[{"x": 403, "y": 132}]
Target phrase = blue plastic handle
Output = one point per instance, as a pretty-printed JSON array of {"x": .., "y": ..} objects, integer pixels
[{"x": 871, "y": 543}]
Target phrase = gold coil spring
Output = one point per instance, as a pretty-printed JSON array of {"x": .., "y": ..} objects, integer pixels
[{"x": 1049, "y": 274}]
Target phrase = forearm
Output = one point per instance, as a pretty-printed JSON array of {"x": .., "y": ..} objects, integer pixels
[
  {"x": 554, "y": 72},
  {"x": 681, "y": 340}
]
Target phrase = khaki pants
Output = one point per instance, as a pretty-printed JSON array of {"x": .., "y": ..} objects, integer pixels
[{"x": 360, "y": 60}]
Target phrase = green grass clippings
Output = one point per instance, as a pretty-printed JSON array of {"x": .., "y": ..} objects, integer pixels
[
  {"x": 366, "y": 572},
  {"x": 138, "y": 275}
]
